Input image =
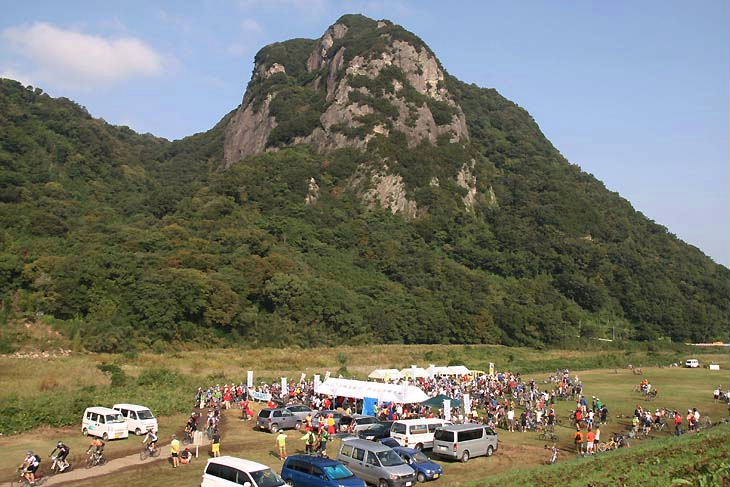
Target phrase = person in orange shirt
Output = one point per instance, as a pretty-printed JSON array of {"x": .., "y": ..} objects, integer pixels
[
  {"x": 578, "y": 439},
  {"x": 590, "y": 442}
]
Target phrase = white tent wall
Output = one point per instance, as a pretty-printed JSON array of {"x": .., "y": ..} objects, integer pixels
[{"x": 360, "y": 389}]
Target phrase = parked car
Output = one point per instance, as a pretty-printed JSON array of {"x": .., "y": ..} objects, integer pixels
[
  {"x": 465, "y": 441},
  {"x": 376, "y": 431},
  {"x": 426, "y": 469},
  {"x": 310, "y": 471},
  {"x": 301, "y": 411},
  {"x": 376, "y": 464},
  {"x": 416, "y": 433},
  {"x": 389, "y": 442},
  {"x": 692, "y": 363},
  {"x": 104, "y": 422},
  {"x": 140, "y": 419},
  {"x": 277, "y": 419},
  {"x": 361, "y": 422},
  {"x": 236, "y": 472}
]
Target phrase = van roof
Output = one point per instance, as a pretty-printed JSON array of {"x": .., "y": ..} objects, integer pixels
[
  {"x": 318, "y": 461},
  {"x": 239, "y": 463},
  {"x": 102, "y": 410},
  {"x": 365, "y": 444},
  {"x": 461, "y": 427},
  {"x": 133, "y": 407}
]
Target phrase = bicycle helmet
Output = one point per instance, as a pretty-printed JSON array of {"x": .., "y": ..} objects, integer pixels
[{"x": 59, "y": 444}]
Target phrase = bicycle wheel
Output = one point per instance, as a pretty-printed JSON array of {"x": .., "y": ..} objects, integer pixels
[
  {"x": 144, "y": 454},
  {"x": 102, "y": 460},
  {"x": 89, "y": 461}
]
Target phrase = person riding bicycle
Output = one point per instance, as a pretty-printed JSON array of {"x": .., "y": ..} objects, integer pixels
[
  {"x": 63, "y": 452},
  {"x": 96, "y": 448},
  {"x": 151, "y": 440},
  {"x": 30, "y": 466}
]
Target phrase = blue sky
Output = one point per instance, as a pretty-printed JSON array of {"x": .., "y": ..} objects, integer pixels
[{"x": 636, "y": 93}]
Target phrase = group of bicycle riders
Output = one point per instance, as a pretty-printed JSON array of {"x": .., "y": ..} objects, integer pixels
[{"x": 59, "y": 455}]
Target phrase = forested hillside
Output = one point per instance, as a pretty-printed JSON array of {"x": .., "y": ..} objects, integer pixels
[{"x": 125, "y": 241}]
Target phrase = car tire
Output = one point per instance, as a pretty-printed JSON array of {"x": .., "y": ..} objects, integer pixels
[
  {"x": 298, "y": 426},
  {"x": 138, "y": 432},
  {"x": 419, "y": 446},
  {"x": 421, "y": 477},
  {"x": 383, "y": 483},
  {"x": 490, "y": 451},
  {"x": 85, "y": 432},
  {"x": 289, "y": 482},
  {"x": 464, "y": 456},
  {"x": 105, "y": 437},
  {"x": 274, "y": 428}
]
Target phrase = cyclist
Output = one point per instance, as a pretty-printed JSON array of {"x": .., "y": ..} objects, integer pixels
[
  {"x": 30, "y": 466},
  {"x": 63, "y": 452},
  {"x": 553, "y": 454},
  {"x": 151, "y": 440},
  {"x": 96, "y": 448}
]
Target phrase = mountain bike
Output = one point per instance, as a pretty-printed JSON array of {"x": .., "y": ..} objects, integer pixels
[
  {"x": 94, "y": 459},
  {"x": 148, "y": 452},
  {"x": 60, "y": 466}
]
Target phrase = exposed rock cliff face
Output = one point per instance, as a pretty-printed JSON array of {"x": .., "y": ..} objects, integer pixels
[{"x": 372, "y": 83}]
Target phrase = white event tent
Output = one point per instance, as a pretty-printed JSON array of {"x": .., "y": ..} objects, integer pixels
[
  {"x": 448, "y": 370},
  {"x": 414, "y": 372},
  {"x": 360, "y": 389},
  {"x": 385, "y": 374}
]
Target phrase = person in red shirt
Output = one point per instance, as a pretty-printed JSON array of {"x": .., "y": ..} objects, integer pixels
[
  {"x": 591, "y": 441},
  {"x": 678, "y": 423}
]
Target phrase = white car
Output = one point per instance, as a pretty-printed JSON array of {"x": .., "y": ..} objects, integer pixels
[
  {"x": 140, "y": 419},
  {"x": 236, "y": 472},
  {"x": 105, "y": 423},
  {"x": 692, "y": 363}
]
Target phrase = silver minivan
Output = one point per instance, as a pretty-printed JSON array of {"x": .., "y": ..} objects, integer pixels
[
  {"x": 376, "y": 464},
  {"x": 464, "y": 441}
]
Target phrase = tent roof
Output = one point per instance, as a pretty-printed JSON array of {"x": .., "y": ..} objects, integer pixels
[
  {"x": 385, "y": 374},
  {"x": 448, "y": 370},
  {"x": 360, "y": 389},
  {"x": 414, "y": 372},
  {"x": 438, "y": 402}
]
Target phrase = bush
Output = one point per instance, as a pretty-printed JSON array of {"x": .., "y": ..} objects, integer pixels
[
  {"x": 115, "y": 373},
  {"x": 153, "y": 377}
]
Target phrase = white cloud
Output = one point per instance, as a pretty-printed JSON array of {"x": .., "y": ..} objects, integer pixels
[
  {"x": 24, "y": 79},
  {"x": 72, "y": 59},
  {"x": 251, "y": 26}
]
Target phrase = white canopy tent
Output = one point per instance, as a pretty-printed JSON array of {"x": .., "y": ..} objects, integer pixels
[
  {"x": 414, "y": 372},
  {"x": 360, "y": 389},
  {"x": 448, "y": 370},
  {"x": 385, "y": 374}
]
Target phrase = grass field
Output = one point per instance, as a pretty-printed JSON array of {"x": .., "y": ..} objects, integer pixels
[{"x": 679, "y": 389}]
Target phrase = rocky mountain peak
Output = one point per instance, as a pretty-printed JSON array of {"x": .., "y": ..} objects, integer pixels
[{"x": 360, "y": 80}]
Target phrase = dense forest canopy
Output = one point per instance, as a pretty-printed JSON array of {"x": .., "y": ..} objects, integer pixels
[{"x": 126, "y": 241}]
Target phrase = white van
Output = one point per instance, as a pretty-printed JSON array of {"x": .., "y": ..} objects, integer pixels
[
  {"x": 105, "y": 423},
  {"x": 140, "y": 419},
  {"x": 416, "y": 433},
  {"x": 236, "y": 472},
  {"x": 692, "y": 363}
]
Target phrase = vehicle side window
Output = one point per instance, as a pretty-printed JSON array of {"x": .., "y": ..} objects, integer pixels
[
  {"x": 317, "y": 472},
  {"x": 101, "y": 419},
  {"x": 470, "y": 434},
  {"x": 132, "y": 415},
  {"x": 243, "y": 478},
  {"x": 372, "y": 459},
  {"x": 286, "y": 412},
  {"x": 419, "y": 429},
  {"x": 346, "y": 450},
  {"x": 222, "y": 471},
  {"x": 277, "y": 414},
  {"x": 359, "y": 454},
  {"x": 90, "y": 416},
  {"x": 489, "y": 431}
]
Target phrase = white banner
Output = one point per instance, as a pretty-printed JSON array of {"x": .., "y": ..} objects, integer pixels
[
  {"x": 301, "y": 379},
  {"x": 467, "y": 404},
  {"x": 284, "y": 388},
  {"x": 259, "y": 396},
  {"x": 249, "y": 378},
  {"x": 447, "y": 409},
  {"x": 317, "y": 380}
]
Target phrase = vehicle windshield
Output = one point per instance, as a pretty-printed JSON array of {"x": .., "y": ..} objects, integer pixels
[
  {"x": 389, "y": 458},
  {"x": 266, "y": 478},
  {"x": 114, "y": 418},
  {"x": 145, "y": 414},
  {"x": 420, "y": 458},
  {"x": 337, "y": 472}
]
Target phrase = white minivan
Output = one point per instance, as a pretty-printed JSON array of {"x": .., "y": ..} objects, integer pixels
[
  {"x": 236, "y": 472},
  {"x": 416, "y": 433},
  {"x": 692, "y": 363},
  {"x": 140, "y": 419},
  {"x": 105, "y": 423}
]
